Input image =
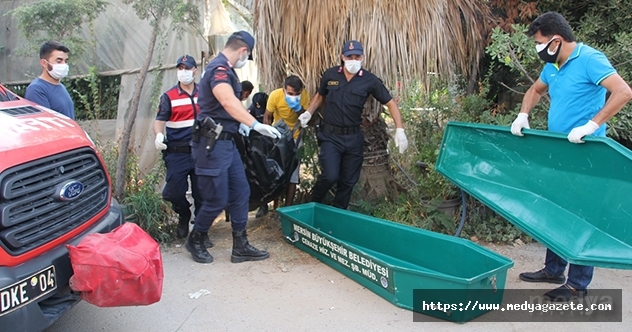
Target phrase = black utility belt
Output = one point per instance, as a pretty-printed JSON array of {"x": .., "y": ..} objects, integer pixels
[
  {"x": 340, "y": 130},
  {"x": 178, "y": 149},
  {"x": 225, "y": 136}
]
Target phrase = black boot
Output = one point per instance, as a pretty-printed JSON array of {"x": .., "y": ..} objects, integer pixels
[
  {"x": 207, "y": 241},
  {"x": 195, "y": 245},
  {"x": 183, "y": 224},
  {"x": 243, "y": 251}
]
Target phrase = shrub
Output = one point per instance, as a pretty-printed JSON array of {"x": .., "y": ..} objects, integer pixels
[
  {"x": 425, "y": 115},
  {"x": 143, "y": 203}
]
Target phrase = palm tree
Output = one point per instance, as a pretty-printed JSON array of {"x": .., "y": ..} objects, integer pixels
[{"x": 403, "y": 40}]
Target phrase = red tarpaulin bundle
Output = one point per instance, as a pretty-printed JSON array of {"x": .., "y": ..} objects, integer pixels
[{"x": 120, "y": 268}]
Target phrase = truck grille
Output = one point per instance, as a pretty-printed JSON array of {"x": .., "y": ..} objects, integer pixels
[{"x": 31, "y": 211}]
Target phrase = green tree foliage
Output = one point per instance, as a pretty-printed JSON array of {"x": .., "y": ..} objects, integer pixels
[
  {"x": 59, "y": 20},
  {"x": 428, "y": 196},
  {"x": 516, "y": 51},
  {"x": 183, "y": 15}
]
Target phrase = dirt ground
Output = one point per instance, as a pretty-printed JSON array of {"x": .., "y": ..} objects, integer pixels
[{"x": 292, "y": 291}]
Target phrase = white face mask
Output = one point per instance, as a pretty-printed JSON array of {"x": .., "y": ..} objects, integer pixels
[
  {"x": 59, "y": 71},
  {"x": 353, "y": 66},
  {"x": 242, "y": 62},
  {"x": 185, "y": 76}
]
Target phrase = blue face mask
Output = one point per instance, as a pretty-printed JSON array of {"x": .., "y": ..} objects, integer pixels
[{"x": 294, "y": 102}]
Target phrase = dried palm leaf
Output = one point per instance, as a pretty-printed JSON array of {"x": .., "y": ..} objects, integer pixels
[{"x": 403, "y": 40}]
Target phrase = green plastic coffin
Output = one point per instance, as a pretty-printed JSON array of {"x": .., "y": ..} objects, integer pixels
[
  {"x": 393, "y": 260},
  {"x": 576, "y": 199}
]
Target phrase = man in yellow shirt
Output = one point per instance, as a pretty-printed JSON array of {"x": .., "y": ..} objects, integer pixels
[{"x": 287, "y": 104}]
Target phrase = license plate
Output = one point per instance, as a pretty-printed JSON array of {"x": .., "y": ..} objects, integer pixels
[{"x": 27, "y": 290}]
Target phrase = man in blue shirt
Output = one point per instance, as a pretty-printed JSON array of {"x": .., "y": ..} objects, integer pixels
[
  {"x": 47, "y": 90},
  {"x": 577, "y": 78}
]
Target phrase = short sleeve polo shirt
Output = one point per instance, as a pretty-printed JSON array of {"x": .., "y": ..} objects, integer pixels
[{"x": 575, "y": 90}]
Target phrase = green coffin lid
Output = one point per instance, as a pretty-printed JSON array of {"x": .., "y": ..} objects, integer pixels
[{"x": 576, "y": 199}]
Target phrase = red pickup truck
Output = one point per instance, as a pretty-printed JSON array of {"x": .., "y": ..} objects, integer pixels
[{"x": 54, "y": 190}]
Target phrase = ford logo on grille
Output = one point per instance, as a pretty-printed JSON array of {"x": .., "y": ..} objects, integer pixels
[{"x": 69, "y": 191}]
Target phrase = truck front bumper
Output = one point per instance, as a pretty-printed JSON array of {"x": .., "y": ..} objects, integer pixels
[{"x": 41, "y": 313}]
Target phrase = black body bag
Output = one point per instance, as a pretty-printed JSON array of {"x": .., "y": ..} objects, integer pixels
[{"x": 269, "y": 163}]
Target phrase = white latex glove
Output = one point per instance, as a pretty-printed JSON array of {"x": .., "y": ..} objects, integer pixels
[
  {"x": 160, "y": 142},
  {"x": 266, "y": 130},
  {"x": 244, "y": 130},
  {"x": 400, "y": 140},
  {"x": 522, "y": 121},
  {"x": 575, "y": 136},
  {"x": 304, "y": 118}
]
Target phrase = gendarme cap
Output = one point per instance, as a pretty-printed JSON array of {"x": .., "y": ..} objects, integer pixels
[
  {"x": 352, "y": 47},
  {"x": 247, "y": 38}
]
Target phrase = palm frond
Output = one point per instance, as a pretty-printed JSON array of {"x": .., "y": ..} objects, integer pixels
[{"x": 403, "y": 40}]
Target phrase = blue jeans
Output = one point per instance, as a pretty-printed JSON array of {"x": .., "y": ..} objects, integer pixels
[{"x": 579, "y": 276}]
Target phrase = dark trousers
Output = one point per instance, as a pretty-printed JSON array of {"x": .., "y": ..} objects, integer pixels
[
  {"x": 341, "y": 162},
  {"x": 579, "y": 276},
  {"x": 221, "y": 182},
  {"x": 180, "y": 168}
]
